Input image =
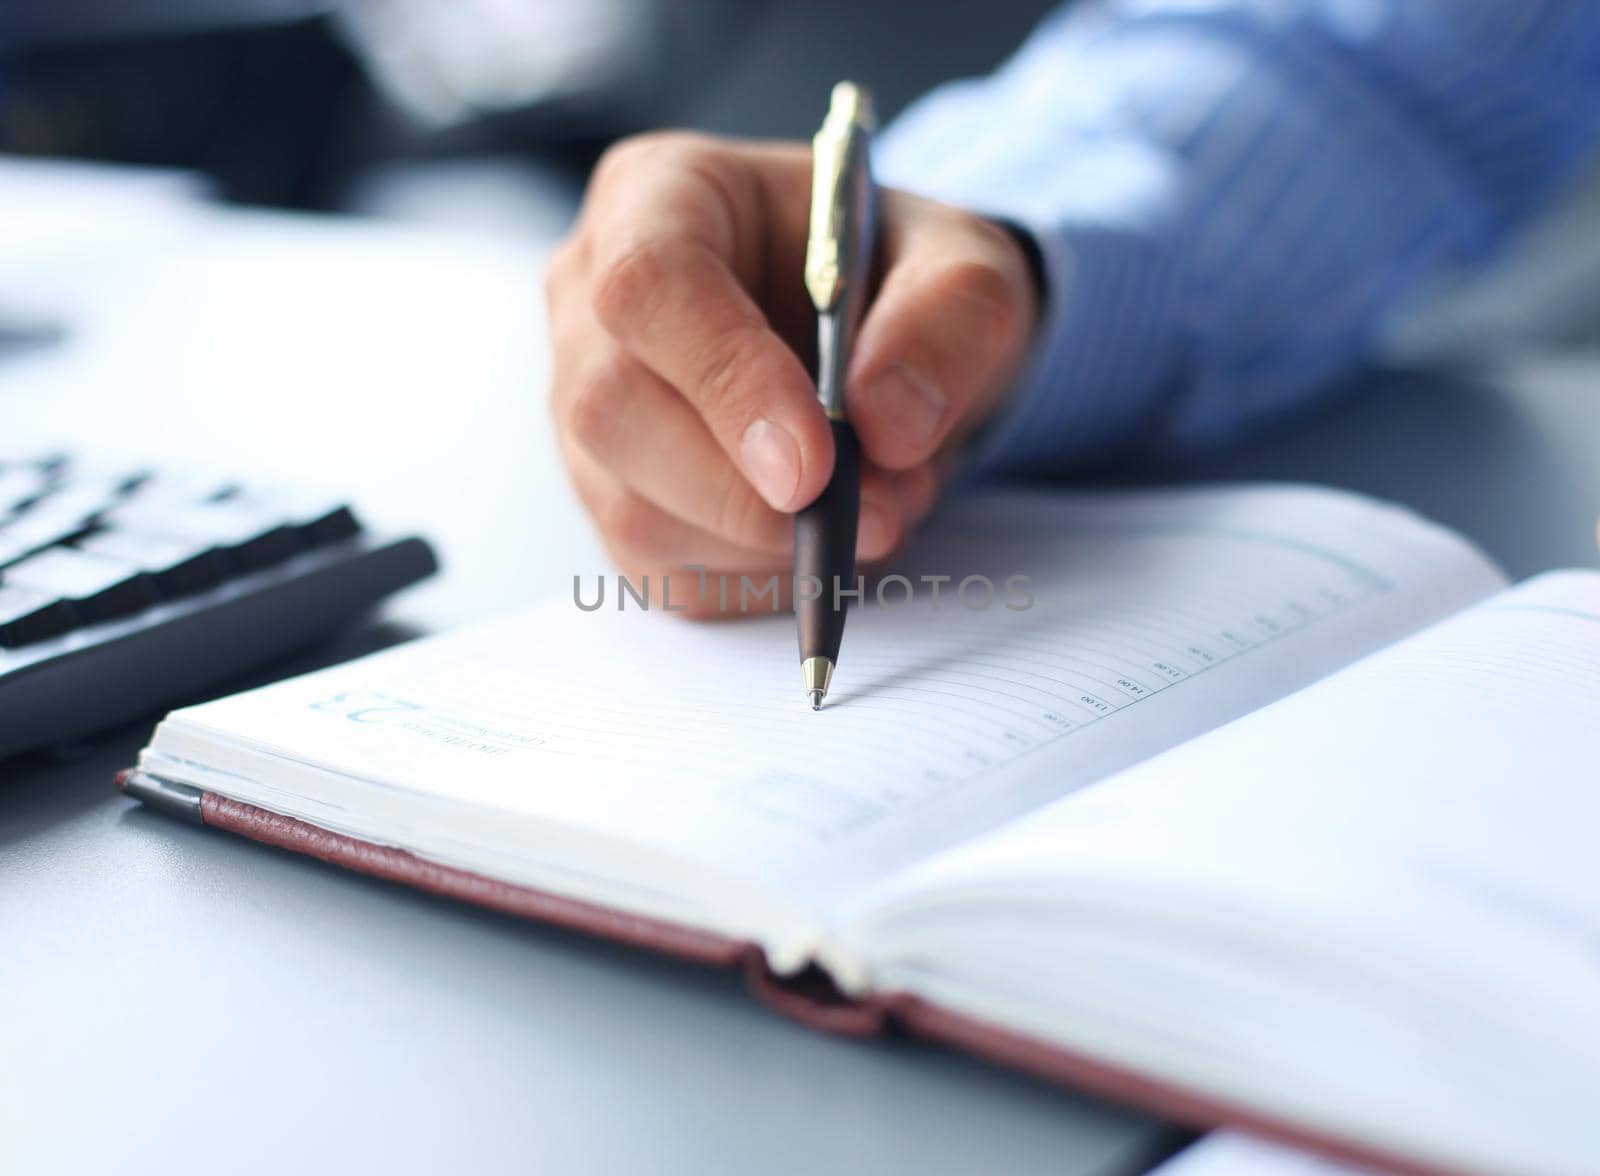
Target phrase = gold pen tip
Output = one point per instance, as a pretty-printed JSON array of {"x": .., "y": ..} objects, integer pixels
[{"x": 816, "y": 673}]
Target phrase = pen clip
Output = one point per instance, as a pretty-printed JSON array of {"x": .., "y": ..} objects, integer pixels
[{"x": 839, "y": 196}]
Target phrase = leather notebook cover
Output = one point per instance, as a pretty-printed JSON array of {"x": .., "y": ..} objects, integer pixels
[{"x": 808, "y": 997}]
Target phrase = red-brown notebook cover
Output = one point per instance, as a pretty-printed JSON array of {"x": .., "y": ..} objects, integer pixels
[{"x": 808, "y": 998}]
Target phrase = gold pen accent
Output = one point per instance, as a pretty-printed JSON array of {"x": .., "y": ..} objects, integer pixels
[
  {"x": 840, "y": 239},
  {"x": 844, "y": 130}
]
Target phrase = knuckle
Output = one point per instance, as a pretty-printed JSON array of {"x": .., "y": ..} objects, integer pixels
[
  {"x": 678, "y": 146},
  {"x": 645, "y": 149},
  {"x": 628, "y": 284},
  {"x": 695, "y": 609},
  {"x": 594, "y": 410},
  {"x": 556, "y": 405},
  {"x": 619, "y": 157},
  {"x": 557, "y": 272},
  {"x": 729, "y": 369},
  {"x": 744, "y": 519},
  {"x": 631, "y": 529},
  {"x": 986, "y": 296}
]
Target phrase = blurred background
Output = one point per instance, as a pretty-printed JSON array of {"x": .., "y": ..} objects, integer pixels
[
  {"x": 470, "y": 108},
  {"x": 488, "y": 114}
]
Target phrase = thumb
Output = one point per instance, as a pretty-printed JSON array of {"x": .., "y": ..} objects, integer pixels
[{"x": 944, "y": 337}]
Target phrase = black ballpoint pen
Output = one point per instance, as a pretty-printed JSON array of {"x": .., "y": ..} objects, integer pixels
[{"x": 838, "y": 266}]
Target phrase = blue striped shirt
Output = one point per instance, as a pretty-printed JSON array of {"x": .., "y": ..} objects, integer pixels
[{"x": 1231, "y": 197}]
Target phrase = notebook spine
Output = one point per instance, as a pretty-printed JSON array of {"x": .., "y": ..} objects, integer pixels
[
  {"x": 811, "y": 997},
  {"x": 177, "y": 800},
  {"x": 397, "y": 865}
]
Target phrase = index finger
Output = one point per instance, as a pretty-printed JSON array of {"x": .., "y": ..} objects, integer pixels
[{"x": 665, "y": 289}]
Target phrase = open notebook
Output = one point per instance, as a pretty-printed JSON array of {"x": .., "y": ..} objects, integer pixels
[{"x": 1275, "y": 808}]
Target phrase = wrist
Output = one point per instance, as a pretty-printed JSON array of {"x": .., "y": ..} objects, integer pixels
[{"x": 1033, "y": 257}]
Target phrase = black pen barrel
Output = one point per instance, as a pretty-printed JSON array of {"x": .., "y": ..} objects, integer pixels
[{"x": 825, "y": 551}]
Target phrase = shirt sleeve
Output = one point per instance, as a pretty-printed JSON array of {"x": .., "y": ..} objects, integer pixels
[{"x": 1231, "y": 196}]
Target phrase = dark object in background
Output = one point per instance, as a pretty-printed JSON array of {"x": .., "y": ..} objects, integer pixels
[
  {"x": 776, "y": 85},
  {"x": 122, "y": 594},
  {"x": 281, "y": 108},
  {"x": 273, "y": 103},
  {"x": 272, "y": 113}
]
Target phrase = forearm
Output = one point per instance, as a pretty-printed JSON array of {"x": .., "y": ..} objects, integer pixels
[{"x": 1231, "y": 198}]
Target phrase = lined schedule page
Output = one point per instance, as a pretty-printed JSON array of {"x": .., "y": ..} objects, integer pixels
[
  {"x": 1118, "y": 624},
  {"x": 1382, "y": 891}
]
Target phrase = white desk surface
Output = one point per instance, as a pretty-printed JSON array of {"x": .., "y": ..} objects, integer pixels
[{"x": 175, "y": 1000}]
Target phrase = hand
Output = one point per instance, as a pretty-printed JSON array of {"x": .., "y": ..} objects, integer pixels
[{"x": 683, "y": 336}]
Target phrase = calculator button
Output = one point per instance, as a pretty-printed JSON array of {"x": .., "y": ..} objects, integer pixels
[
  {"x": 251, "y": 538},
  {"x": 20, "y": 486},
  {"x": 179, "y": 567},
  {"x": 98, "y": 589},
  {"x": 328, "y": 523},
  {"x": 32, "y": 531},
  {"x": 27, "y": 616},
  {"x": 77, "y": 504}
]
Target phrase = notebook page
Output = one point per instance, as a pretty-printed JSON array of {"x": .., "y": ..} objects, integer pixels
[
  {"x": 1155, "y": 616},
  {"x": 1381, "y": 892}
]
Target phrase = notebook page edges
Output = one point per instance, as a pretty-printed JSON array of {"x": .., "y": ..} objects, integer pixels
[
  {"x": 1151, "y": 616},
  {"x": 1231, "y": 1153},
  {"x": 1378, "y": 893}
]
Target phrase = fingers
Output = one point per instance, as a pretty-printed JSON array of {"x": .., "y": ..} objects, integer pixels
[
  {"x": 643, "y": 538},
  {"x": 884, "y": 521},
  {"x": 945, "y": 335},
  {"x": 661, "y": 490},
  {"x": 665, "y": 288},
  {"x": 646, "y": 541},
  {"x": 702, "y": 334},
  {"x": 686, "y": 416},
  {"x": 635, "y": 426}
]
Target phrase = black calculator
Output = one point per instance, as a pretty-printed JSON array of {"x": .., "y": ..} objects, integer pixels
[{"x": 126, "y": 590}]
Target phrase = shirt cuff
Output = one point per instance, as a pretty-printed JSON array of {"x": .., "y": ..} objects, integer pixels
[{"x": 1104, "y": 363}]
